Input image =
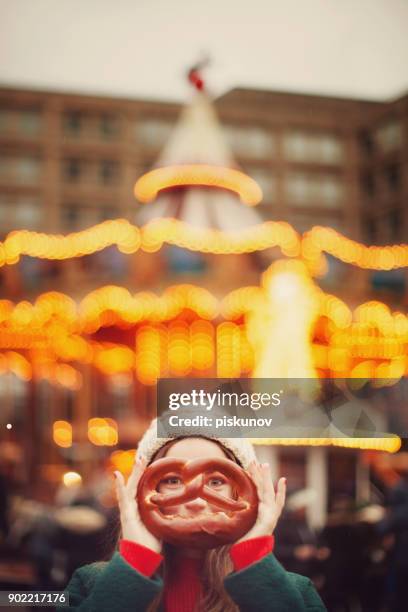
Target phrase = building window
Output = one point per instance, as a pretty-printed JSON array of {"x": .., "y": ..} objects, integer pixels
[
  {"x": 395, "y": 220},
  {"x": 72, "y": 123},
  {"x": 72, "y": 170},
  {"x": 30, "y": 123},
  {"x": 329, "y": 191},
  {"x": 26, "y": 123},
  {"x": 393, "y": 177},
  {"x": 153, "y": 133},
  {"x": 108, "y": 127},
  {"x": 249, "y": 141},
  {"x": 107, "y": 212},
  {"x": 28, "y": 214},
  {"x": 329, "y": 149},
  {"x": 265, "y": 181},
  {"x": 72, "y": 217},
  {"x": 22, "y": 170},
  {"x": 385, "y": 229},
  {"x": 298, "y": 189},
  {"x": 308, "y": 147},
  {"x": 368, "y": 184},
  {"x": 296, "y": 146},
  {"x": 389, "y": 136},
  {"x": 366, "y": 142},
  {"x": 370, "y": 226},
  {"x": 314, "y": 190},
  {"x": 20, "y": 213},
  {"x": 75, "y": 216},
  {"x": 27, "y": 170},
  {"x": 108, "y": 171}
]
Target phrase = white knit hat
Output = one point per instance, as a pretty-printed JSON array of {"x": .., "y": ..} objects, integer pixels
[{"x": 151, "y": 443}]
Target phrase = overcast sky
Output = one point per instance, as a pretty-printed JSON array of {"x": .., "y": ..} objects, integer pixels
[{"x": 141, "y": 48}]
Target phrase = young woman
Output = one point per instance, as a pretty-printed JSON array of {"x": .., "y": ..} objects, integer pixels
[{"x": 145, "y": 574}]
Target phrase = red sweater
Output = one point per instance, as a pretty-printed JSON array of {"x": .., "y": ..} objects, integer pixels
[{"x": 183, "y": 589}]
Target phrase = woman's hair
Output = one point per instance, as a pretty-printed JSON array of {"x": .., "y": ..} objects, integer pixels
[
  {"x": 163, "y": 449},
  {"x": 216, "y": 566}
]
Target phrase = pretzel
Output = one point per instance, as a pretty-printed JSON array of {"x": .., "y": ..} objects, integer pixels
[{"x": 232, "y": 519}]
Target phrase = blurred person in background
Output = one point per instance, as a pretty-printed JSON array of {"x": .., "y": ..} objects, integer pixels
[
  {"x": 296, "y": 542},
  {"x": 354, "y": 568},
  {"x": 4, "y": 505},
  {"x": 341, "y": 567},
  {"x": 372, "y": 556},
  {"x": 79, "y": 529},
  {"x": 394, "y": 526},
  {"x": 87, "y": 524},
  {"x": 10, "y": 459}
]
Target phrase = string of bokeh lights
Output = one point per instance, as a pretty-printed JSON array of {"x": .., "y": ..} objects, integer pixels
[
  {"x": 44, "y": 339},
  {"x": 130, "y": 238}
]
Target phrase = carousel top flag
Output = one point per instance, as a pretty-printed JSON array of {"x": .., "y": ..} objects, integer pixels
[{"x": 197, "y": 198}]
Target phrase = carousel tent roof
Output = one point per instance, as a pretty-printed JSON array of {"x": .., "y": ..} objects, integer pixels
[{"x": 198, "y": 140}]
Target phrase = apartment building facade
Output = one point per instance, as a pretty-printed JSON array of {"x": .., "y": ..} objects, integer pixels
[{"x": 70, "y": 161}]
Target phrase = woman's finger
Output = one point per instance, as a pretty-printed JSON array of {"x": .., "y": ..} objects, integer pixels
[
  {"x": 120, "y": 488},
  {"x": 127, "y": 504},
  {"x": 133, "y": 480},
  {"x": 252, "y": 469},
  {"x": 281, "y": 494},
  {"x": 255, "y": 473},
  {"x": 269, "y": 491}
]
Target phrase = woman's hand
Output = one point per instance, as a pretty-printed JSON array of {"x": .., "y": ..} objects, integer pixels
[
  {"x": 270, "y": 503},
  {"x": 132, "y": 526}
]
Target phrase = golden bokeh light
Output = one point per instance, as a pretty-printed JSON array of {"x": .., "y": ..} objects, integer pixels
[
  {"x": 72, "y": 479},
  {"x": 62, "y": 433},
  {"x": 148, "y": 186}
]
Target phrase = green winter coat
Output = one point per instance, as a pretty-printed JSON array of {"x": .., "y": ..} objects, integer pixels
[{"x": 115, "y": 586}]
